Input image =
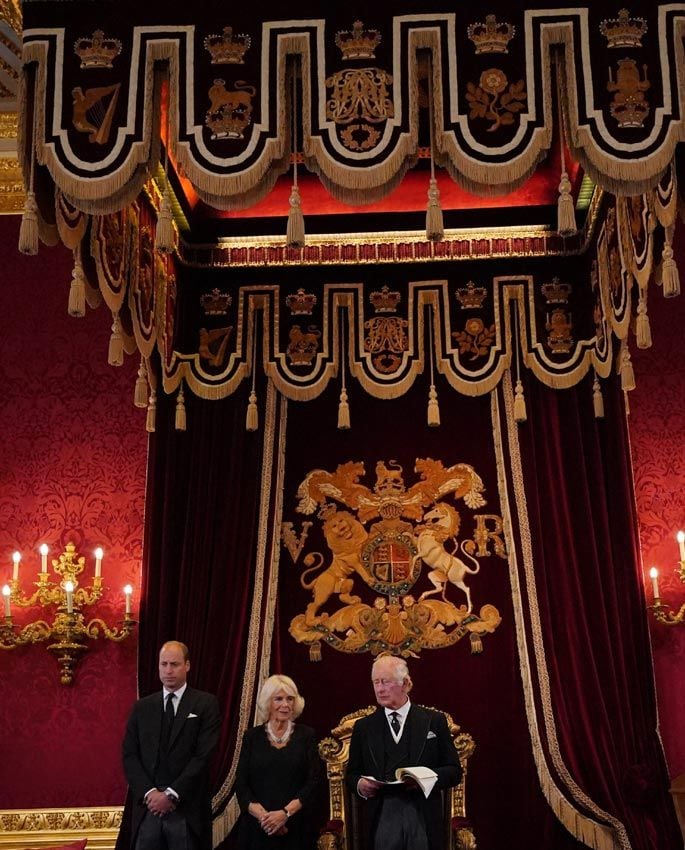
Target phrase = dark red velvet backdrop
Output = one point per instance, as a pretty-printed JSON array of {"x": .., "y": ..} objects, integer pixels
[
  {"x": 482, "y": 692},
  {"x": 592, "y": 609},
  {"x": 72, "y": 467}
]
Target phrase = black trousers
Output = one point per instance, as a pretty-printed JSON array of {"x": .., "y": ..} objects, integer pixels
[
  {"x": 170, "y": 832},
  {"x": 400, "y": 824}
]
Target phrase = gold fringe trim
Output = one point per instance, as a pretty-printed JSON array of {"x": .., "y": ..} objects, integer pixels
[{"x": 260, "y": 632}]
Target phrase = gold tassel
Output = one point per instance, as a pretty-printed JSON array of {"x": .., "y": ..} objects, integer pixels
[
  {"x": 566, "y": 211},
  {"x": 435, "y": 230},
  {"x": 140, "y": 394},
  {"x": 164, "y": 234},
  {"x": 433, "y": 408},
  {"x": 77, "y": 291},
  {"x": 597, "y": 399},
  {"x": 670, "y": 278},
  {"x": 295, "y": 231},
  {"x": 315, "y": 651},
  {"x": 520, "y": 414},
  {"x": 115, "y": 355},
  {"x": 476, "y": 643},
  {"x": 180, "y": 418},
  {"x": 343, "y": 411},
  {"x": 642, "y": 330},
  {"x": 28, "y": 230},
  {"x": 252, "y": 417},
  {"x": 626, "y": 369},
  {"x": 151, "y": 419}
]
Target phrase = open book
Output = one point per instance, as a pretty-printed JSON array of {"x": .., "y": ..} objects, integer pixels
[{"x": 424, "y": 777}]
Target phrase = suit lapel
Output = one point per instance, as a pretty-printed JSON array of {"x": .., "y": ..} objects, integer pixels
[
  {"x": 419, "y": 723},
  {"x": 182, "y": 713},
  {"x": 375, "y": 740}
]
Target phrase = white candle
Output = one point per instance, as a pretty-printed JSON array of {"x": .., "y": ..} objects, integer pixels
[
  {"x": 98, "y": 562},
  {"x": 654, "y": 575},
  {"x": 44, "y": 558},
  {"x": 680, "y": 537},
  {"x": 128, "y": 590},
  {"x": 16, "y": 557},
  {"x": 69, "y": 588},
  {"x": 6, "y": 594}
]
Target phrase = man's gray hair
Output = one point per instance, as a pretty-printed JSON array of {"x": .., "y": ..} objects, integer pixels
[{"x": 399, "y": 666}]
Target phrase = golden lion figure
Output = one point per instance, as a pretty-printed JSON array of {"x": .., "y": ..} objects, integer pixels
[{"x": 345, "y": 536}]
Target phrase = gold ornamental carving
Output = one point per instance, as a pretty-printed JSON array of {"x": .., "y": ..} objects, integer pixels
[
  {"x": 383, "y": 537},
  {"x": 51, "y": 827}
]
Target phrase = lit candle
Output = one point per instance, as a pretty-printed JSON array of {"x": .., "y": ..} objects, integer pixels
[
  {"x": 44, "y": 558},
  {"x": 16, "y": 557},
  {"x": 680, "y": 537},
  {"x": 128, "y": 590},
  {"x": 6, "y": 593},
  {"x": 654, "y": 575},
  {"x": 69, "y": 588},
  {"x": 98, "y": 562}
]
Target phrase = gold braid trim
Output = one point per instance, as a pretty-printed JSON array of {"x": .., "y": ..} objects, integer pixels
[
  {"x": 223, "y": 824},
  {"x": 610, "y": 835}
]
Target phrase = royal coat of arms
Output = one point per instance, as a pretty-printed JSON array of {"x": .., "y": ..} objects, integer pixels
[{"x": 384, "y": 537}]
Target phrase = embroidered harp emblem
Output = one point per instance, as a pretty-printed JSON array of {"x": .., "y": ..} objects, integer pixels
[{"x": 93, "y": 111}]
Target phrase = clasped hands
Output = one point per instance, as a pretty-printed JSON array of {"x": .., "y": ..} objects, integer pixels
[
  {"x": 273, "y": 823},
  {"x": 159, "y": 804}
]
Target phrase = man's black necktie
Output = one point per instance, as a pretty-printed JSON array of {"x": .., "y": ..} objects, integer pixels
[
  {"x": 169, "y": 716},
  {"x": 395, "y": 722}
]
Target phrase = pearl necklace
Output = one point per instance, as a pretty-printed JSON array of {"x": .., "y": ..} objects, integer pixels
[{"x": 284, "y": 737}]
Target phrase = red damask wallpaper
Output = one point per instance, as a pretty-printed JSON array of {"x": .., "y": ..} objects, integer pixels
[
  {"x": 72, "y": 467},
  {"x": 657, "y": 430}
]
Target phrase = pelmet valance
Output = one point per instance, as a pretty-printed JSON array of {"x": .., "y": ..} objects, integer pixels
[
  {"x": 383, "y": 324},
  {"x": 486, "y": 79}
]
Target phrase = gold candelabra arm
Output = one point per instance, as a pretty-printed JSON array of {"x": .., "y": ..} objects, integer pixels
[
  {"x": 32, "y": 633},
  {"x": 668, "y": 618},
  {"x": 46, "y": 593},
  {"x": 88, "y": 595},
  {"x": 96, "y": 625}
]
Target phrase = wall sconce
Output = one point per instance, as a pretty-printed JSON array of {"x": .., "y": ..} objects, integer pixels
[
  {"x": 659, "y": 607},
  {"x": 69, "y": 630}
]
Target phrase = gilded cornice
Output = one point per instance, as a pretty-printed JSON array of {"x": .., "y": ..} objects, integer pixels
[
  {"x": 11, "y": 186},
  {"x": 51, "y": 827},
  {"x": 10, "y": 11}
]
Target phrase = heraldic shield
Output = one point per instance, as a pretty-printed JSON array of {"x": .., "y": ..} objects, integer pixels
[{"x": 384, "y": 537}]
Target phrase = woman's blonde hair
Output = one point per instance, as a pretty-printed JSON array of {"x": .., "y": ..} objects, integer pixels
[{"x": 269, "y": 688}]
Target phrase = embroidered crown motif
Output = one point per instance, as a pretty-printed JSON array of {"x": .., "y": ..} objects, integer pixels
[
  {"x": 227, "y": 48},
  {"x": 556, "y": 292},
  {"x": 385, "y": 301},
  {"x": 491, "y": 37},
  {"x": 301, "y": 303},
  {"x": 358, "y": 43},
  {"x": 471, "y": 297},
  {"x": 623, "y": 31},
  {"x": 99, "y": 51},
  {"x": 215, "y": 303}
]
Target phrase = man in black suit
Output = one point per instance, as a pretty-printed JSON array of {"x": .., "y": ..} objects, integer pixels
[
  {"x": 400, "y": 734},
  {"x": 168, "y": 745}
]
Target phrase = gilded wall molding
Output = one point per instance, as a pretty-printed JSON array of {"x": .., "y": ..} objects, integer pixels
[
  {"x": 11, "y": 186},
  {"x": 49, "y": 827},
  {"x": 10, "y": 11}
]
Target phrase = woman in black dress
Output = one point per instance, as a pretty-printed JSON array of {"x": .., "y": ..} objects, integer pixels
[{"x": 278, "y": 773}]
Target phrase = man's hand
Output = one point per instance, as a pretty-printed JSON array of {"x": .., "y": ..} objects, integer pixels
[
  {"x": 368, "y": 787},
  {"x": 159, "y": 804}
]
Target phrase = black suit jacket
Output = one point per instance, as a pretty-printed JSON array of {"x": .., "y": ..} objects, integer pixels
[
  {"x": 430, "y": 745},
  {"x": 194, "y": 736}
]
